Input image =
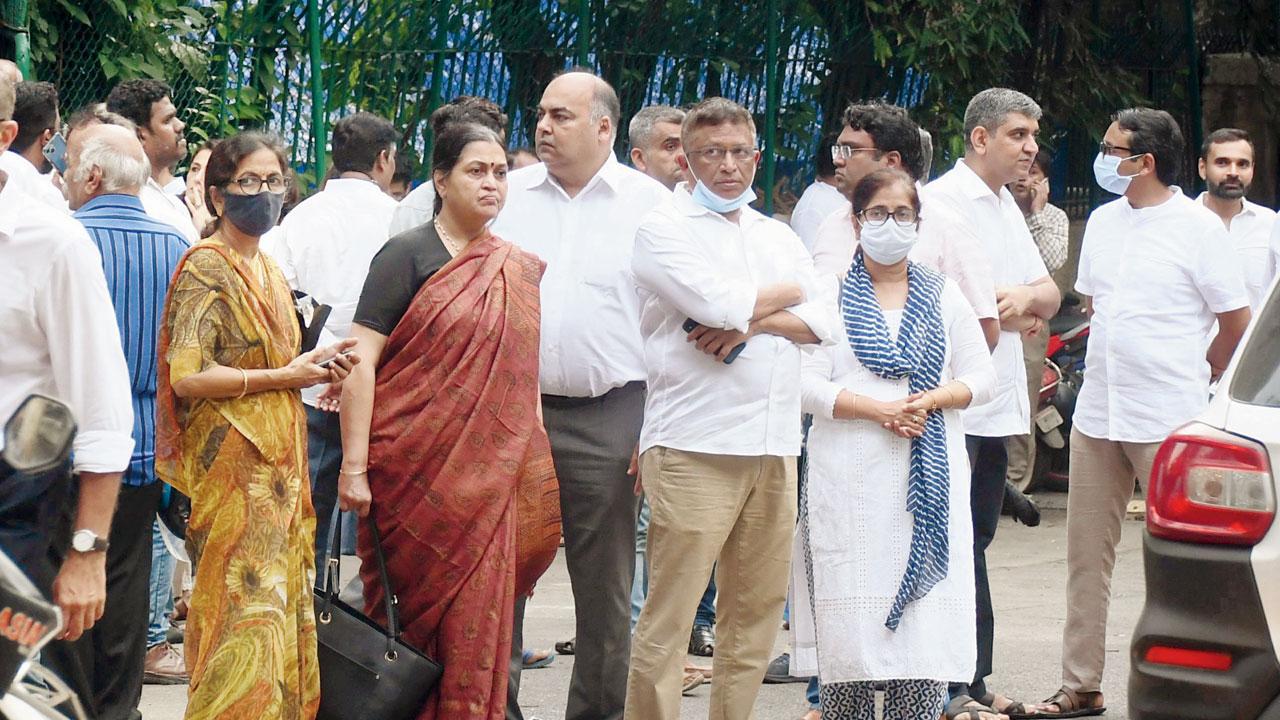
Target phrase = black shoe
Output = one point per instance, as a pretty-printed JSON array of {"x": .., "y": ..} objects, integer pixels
[
  {"x": 702, "y": 641},
  {"x": 779, "y": 671},
  {"x": 175, "y": 634},
  {"x": 1022, "y": 508}
]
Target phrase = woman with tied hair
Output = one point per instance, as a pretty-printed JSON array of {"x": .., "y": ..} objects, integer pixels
[
  {"x": 231, "y": 435},
  {"x": 442, "y": 438},
  {"x": 884, "y": 576}
]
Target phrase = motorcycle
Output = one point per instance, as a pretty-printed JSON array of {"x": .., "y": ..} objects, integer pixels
[
  {"x": 37, "y": 439},
  {"x": 1061, "y": 379}
]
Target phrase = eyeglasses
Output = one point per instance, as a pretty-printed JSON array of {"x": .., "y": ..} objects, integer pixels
[
  {"x": 1107, "y": 148},
  {"x": 844, "y": 152},
  {"x": 879, "y": 215},
  {"x": 717, "y": 154},
  {"x": 252, "y": 184}
]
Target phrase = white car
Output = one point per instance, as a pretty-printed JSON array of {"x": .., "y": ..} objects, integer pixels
[{"x": 1205, "y": 645}]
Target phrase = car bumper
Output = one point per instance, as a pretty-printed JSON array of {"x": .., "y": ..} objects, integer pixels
[{"x": 1202, "y": 597}]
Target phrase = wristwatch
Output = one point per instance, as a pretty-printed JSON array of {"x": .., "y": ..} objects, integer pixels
[{"x": 85, "y": 541}]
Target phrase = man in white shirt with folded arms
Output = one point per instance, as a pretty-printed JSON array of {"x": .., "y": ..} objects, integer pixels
[{"x": 720, "y": 440}]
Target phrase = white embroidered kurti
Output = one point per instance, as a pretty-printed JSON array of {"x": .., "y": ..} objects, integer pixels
[{"x": 858, "y": 530}]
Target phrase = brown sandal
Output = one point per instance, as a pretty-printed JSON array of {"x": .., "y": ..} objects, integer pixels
[{"x": 1070, "y": 704}]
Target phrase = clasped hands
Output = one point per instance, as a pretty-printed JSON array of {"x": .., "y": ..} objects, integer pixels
[{"x": 906, "y": 417}]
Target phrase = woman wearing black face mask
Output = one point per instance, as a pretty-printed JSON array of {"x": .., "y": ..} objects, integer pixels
[{"x": 231, "y": 434}]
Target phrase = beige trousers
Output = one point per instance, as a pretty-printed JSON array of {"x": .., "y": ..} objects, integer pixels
[
  {"x": 1022, "y": 448},
  {"x": 1102, "y": 474},
  {"x": 741, "y": 510}
]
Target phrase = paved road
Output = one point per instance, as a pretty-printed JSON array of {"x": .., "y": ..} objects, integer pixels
[{"x": 1028, "y": 572}]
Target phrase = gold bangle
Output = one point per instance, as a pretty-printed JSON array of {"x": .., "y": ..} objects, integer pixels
[
  {"x": 854, "y": 409},
  {"x": 244, "y": 383},
  {"x": 351, "y": 473},
  {"x": 936, "y": 404}
]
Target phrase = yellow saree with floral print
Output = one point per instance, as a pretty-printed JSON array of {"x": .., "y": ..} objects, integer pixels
[{"x": 250, "y": 638}]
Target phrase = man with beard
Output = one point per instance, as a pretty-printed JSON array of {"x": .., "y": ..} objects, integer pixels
[
  {"x": 36, "y": 112},
  {"x": 149, "y": 105},
  {"x": 1226, "y": 166}
]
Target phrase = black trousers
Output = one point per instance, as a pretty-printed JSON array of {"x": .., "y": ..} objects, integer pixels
[
  {"x": 104, "y": 666},
  {"x": 989, "y": 462}
]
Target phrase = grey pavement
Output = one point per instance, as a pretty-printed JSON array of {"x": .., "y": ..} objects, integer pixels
[{"x": 1028, "y": 575}]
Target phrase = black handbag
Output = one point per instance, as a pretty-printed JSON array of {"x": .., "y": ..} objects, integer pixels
[{"x": 366, "y": 670}]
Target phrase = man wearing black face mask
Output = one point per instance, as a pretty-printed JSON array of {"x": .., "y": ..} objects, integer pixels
[{"x": 35, "y": 110}]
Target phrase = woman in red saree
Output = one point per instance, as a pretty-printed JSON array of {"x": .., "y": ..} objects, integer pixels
[{"x": 442, "y": 437}]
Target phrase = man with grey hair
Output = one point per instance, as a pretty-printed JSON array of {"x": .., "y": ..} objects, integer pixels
[
  {"x": 106, "y": 170},
  {"x": 578, "y": 210},
  {"x": 10, "y": 71},
  {"x": 1000, "y": 144},
  {"x": 654, "y": 133}
]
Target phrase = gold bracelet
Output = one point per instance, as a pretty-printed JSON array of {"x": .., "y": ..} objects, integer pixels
[
  {"x": 352, "y": 473},
  {"x": 854, "y": 410},
  {"x": 244, "y": 383},
  {"x": 934, "y": 398}
]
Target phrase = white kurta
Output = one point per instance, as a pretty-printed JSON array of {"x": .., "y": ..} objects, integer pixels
[{"x": 858, "y": 530}]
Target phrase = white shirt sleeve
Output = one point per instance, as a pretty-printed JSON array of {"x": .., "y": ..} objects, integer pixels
[
  {"x": 285, "y": 254},
  {"x": 1219, "y": 274},
  {"x": 1028, "y": 258},
  {"x": 89, "y": 371},
  {"x": 834, "y": 245},
  {"x": 819, "y": 303},
  {"x": 818, "y": 392},
  {"x": 417, "y": 208},
  {"x": 971, "y": 361},
  {"x": 667, "y": 263},
  {"x": 1084, "y": 268}
]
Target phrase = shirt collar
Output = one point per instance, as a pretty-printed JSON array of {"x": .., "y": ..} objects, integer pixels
[
  {"x": 1246, "y": 207},
  {"x": 608, "y": 174},
  {"x": 351, "y": 185},
  {"x": 116, "y": 200},
  {"x": 973, "y": 185}
]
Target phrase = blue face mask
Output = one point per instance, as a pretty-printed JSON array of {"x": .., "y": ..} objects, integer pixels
[
  {"x": 1106, "y": 171},
  {"x": 715, "y": 203}
]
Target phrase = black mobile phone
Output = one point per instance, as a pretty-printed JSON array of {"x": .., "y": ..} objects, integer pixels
[
  {"x": 690, "y": 324},
  {"x": 327, "y": 363},
  {"x": 55, "y": 151}
]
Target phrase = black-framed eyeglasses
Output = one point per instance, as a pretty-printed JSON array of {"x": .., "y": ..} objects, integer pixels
[
  {"x": 1107, "y": 148},
  {"x": 252, "y": 184},
  {"x": 879, "y": 215},
  {"x": 717, "y": 154},
  {"x": 844, "y": 152}
]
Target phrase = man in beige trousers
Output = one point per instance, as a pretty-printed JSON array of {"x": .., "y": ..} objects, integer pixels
[{"x": 721, "y": 426}]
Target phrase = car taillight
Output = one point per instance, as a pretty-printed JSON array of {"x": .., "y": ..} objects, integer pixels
[
  {"x": 1210, "y": 486},
  {"x": 1188, "y": 658}
]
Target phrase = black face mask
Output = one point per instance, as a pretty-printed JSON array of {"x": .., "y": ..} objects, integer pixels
[{"x": 253, "y": 214}]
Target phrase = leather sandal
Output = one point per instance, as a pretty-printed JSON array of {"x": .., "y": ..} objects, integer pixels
[
  {"x": 1070, "y": 704},
  {"x": 702, "y": 641},
  {"x": 963, "y": 707}
]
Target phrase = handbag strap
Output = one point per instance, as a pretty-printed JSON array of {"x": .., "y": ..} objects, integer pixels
[{"x": 332, "y": 584}]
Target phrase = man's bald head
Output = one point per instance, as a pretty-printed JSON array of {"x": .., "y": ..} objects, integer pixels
[
  {"x": 104, "y": 159},
  {"x": 577, "y": 123}
]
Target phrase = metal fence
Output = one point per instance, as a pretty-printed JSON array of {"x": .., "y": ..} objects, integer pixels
[{"x": 295, "y": 66}]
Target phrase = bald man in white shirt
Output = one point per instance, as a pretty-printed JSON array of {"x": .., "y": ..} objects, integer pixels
[{"x": 578, "y": 210}]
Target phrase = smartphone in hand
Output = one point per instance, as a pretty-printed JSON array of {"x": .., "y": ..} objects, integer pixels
[{"x": 690, "y": 325}]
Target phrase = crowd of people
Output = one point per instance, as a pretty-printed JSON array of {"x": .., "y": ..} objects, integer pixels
[{"x": 724, "y": 418}]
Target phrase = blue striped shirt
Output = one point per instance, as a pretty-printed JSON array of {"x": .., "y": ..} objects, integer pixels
[{"x": 139, "y": 256}]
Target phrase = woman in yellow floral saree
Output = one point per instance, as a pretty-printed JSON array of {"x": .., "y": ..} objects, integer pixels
[{"x": 231, "y": 434}]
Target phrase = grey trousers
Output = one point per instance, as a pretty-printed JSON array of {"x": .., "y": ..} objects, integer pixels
[
  {"x": 517, "y": 661},
  {"x": 591, "y": 443}
]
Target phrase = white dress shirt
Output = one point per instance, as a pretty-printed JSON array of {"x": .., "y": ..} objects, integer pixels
[
  {"x": 324, "y": 247},
  {"x": 27, "y": 178},
  {"x": 417, "y": 208},
  {"x": 945, "y": 244},
  {"x": 168, "y": 209},
  {"x": 817, "y": 202},
  {"x": 1157, "y": 277},
  {"x": 692, "y": 263},
  {"x": 590, "y": 310},
  {"x": 1257, "y": 245},
  {"x": 60, "y": 333},
  {"x": 1015, "y": 260}
]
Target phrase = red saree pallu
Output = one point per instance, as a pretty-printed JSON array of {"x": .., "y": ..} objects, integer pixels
[{"x": 464, "y": 490}]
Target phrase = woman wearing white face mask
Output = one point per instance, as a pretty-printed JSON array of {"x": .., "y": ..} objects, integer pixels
[{"x": 884, "y": 573}]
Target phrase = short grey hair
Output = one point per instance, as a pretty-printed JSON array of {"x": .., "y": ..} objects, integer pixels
[
  {"x": 121, "y": 172},
  {"x": 640, "y": 131},
  {"x": 991, "y": 107},
  {"x": 926, "y": 155}
]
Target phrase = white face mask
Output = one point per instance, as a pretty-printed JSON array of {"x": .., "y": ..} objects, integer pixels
[
  {"x": 888, "y": 243},
  {"x": 1106, "y": 171}
]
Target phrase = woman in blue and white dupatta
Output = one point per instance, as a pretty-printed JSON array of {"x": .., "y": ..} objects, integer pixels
[{"x": 884, "y": 611}]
